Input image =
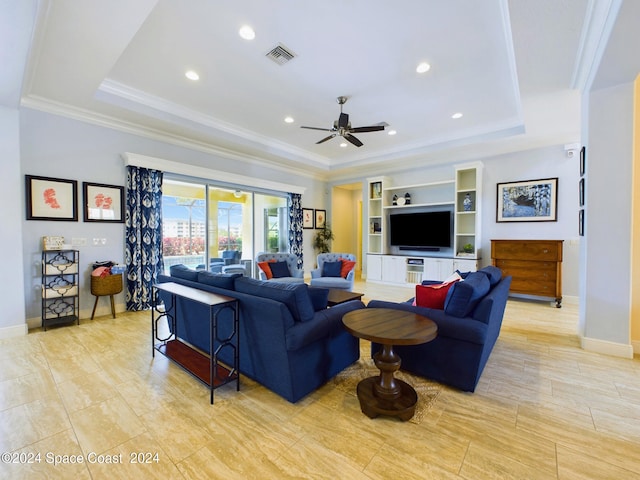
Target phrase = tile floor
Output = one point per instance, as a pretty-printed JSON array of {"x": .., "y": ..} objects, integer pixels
[{"x": 89, "y": 401}]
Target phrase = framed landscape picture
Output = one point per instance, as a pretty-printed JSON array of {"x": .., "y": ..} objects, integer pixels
[
  {"x": 528, "y": 201},
  {"x": 103, "y": 203},
  {"x": 51, "y": 198}
]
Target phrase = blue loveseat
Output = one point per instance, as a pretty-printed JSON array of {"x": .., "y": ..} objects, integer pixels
[
  {"x": 289, "y": 341},
  {"x": 468, "y": 328}
]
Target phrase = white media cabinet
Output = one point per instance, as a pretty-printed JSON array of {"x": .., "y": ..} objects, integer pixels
[
  {"x": 410, "y": 270},
  {"x": 385, "y": 266}
]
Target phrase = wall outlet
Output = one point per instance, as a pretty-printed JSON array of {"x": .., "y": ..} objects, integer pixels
[{"x": 79, "y": 242}]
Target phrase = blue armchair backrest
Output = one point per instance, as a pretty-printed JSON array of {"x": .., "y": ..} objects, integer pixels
[
  {"x": 290, "y": 258},
  {"x": 231, "y": 257}
]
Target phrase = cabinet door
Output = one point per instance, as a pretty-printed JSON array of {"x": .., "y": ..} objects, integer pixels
[
  {"x": 465, "y": 265},
  {"x": 394, "y": 269},
  {"x": 374, "y": 267},
  {"x": 437, "y": 268}
]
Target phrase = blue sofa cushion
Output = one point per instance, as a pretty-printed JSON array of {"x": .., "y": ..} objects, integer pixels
[
  {"x": 279, "y": 269},
  {"x": 331, "y": 269},
  {"x": 183, "y": 272},
  {"x": 220, "y": 280},
  {"x": 494, "y": 274},
  {"x": 319, "y": 298},
  {"x": 464, "y": 296},
  {"x": 294, "y": 295}
]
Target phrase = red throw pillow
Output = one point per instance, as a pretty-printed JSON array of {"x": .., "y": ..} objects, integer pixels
[
  {"x": 264, "y": 266},
  {"x": 432, "y": 296},
  {"x": 347, "y": 266}
]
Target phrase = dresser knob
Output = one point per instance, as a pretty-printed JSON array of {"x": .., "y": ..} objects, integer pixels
[{"x": 545, "y": 250}]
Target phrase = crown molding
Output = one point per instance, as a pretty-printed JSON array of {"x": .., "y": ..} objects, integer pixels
[{"x": 599, "y": 21}]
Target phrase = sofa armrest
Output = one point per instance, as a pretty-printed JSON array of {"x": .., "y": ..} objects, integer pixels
[
  {"x": 316, "y": 273},
  {"x": 325, "y": 323}
]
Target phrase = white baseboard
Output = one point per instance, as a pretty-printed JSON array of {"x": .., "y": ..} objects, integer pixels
[
  {"x": 607, "y": 348},
  {"x": 14, "y": 331}
]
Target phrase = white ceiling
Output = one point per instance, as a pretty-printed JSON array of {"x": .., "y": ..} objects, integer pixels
[{"x": 509, "y": 66}]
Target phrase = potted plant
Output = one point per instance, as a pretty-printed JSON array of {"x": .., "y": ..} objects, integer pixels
[
  {"x": 468, "y": 248},
  {"x": 322, "y": 240}
]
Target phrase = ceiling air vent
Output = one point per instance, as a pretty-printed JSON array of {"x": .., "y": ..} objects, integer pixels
[{"x": 280, "y": 54}]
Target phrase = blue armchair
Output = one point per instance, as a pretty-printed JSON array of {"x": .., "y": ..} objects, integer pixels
[
  {"x": 295, "y": 274},
  {"x": 324, "y": 277},
  {"x": 229, "y": 257}
]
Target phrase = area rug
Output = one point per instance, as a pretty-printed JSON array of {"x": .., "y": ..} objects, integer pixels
[{"x": 428, "y": 392}]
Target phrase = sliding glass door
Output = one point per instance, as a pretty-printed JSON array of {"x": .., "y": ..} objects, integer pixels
[{"x": 209, "y": 227}]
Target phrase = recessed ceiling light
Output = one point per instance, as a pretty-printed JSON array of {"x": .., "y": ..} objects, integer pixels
[
  {"x": 391, "y": 132},
  {"x": 343, "y": 144},
  {"x": 191, "y": 75},
  {"x": 247, "y": 32},
  {"x": 456, "y": 115},
  {"x": 423, "y": 67},
  {"x": 288, "y": 120}
]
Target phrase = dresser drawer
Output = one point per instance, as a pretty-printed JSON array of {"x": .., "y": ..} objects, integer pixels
[
  {"x": 533, "y": 287},
  {"x": 525, "y": 267},
  {"x": 527, "y": 250}
]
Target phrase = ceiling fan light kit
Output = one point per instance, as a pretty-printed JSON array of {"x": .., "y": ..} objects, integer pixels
[{"x": 342, "y": 127}]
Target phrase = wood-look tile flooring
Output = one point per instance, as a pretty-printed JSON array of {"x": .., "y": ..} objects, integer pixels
[{"x": 544, "y": 409}]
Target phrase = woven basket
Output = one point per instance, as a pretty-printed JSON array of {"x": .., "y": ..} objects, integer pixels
[{"x": 109, "y": 285}]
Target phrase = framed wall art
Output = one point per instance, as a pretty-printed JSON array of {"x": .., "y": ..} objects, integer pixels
[
  {"x": 583, "y": 161},
  {"x": 307, "y": 218},
  {"x": 321, "y": 218},
  {"x": 51, "y": 198},
  {"x": 103, "y": 203},
  {"x": 528, "y": 201}
]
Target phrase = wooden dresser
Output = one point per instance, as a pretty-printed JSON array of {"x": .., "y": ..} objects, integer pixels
[{"x": 535, "y": 265}]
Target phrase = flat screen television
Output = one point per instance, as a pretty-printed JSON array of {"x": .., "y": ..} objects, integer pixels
[{"x": 420, "y": 230}]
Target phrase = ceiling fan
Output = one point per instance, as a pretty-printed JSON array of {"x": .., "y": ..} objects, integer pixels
[{"x": 342, "y": 127}]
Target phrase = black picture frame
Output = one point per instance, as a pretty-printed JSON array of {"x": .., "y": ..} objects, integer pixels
[
  {"x": 50, "y": 198},
  {"x": 102, "y": 202},
  {"x": 581, "y": 222},
  {"x": 581, "y": 187},
  {"x": 320, "y": 219},
  {"x": 307, "y": 218},
  {"x": 527, "y": 201},
  {"x": 583, "y": 161}
]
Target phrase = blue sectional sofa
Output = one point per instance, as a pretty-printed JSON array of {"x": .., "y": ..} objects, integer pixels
[
  {"x": 290, "y": 342},
  {"x": 468, "y": 328}
]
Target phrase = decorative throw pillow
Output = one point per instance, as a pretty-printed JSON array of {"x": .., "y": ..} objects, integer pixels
[
  {"x": 464, "y": 296},
  {"x": 331, "y": 269},
  {"x": 319, "y": 298},
  {"x": 280, "y": 269},
  {"x": 433, "y": 296},
  {"x": 264, "y": 266},
  {"x": 183, "y": 272},
  {"x": 347, "y": 266}
]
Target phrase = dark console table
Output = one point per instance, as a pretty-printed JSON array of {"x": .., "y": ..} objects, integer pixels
[{"x": 203, "y": 365}]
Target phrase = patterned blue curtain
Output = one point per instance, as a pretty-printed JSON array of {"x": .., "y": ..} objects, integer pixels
[
  {"x": 295, "y": 225},
  {"x": 143, "y": 230}
]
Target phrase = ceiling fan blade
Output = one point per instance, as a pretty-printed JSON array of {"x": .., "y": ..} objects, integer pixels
[
  {"x": 343, "y": 121},
  {"x": 326, "y": 138},
  {"x": 318, "y": 128},
  {"x": 372, "y": 128},
  {"x": 353, "y": 140}
]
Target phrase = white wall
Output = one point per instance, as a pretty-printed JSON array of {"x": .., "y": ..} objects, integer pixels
[
  {"x": 12, "y": 320},
  {"x": 59, "y": 147},
  {"x": 607, "y": 270}
]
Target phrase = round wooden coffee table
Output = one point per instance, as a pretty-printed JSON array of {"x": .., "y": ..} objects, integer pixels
[{"x": 385, "y": 394}]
